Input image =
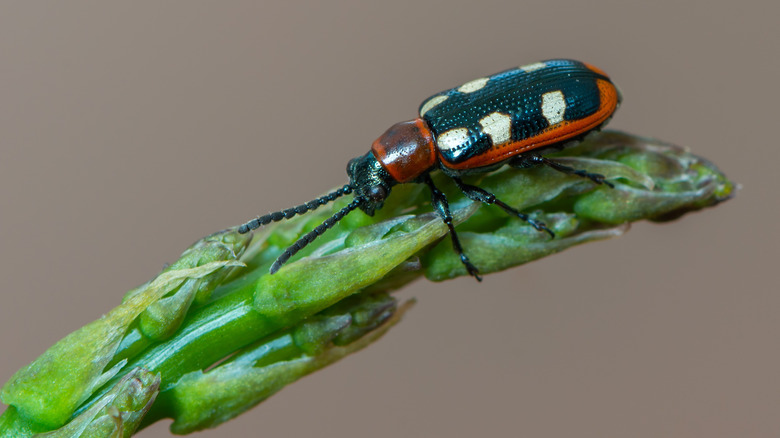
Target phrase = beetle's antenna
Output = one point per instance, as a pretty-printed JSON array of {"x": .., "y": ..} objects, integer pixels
[
  {"x": 313, "y": 234},
  {"x": 290, "y": 212}
]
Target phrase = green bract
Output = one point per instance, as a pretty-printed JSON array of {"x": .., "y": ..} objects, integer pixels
[{"x": 146, "y": 359}]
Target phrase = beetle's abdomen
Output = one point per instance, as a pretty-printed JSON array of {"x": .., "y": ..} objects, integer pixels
[{"x": 491, "y": 119}]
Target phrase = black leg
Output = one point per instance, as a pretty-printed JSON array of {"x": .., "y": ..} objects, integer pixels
[
  {"x": 442, "y": 208},
  {"x": 478, "y": 194},
  {"x": 530, "y": 160}
]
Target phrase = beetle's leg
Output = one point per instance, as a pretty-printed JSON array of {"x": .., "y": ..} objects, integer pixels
[
  {"x": 442, "y": 208},
  {"x": 530, "y": 160},
  {"x": 478, "y": 194}
]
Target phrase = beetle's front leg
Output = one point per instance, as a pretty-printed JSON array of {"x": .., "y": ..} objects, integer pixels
[{"x": 442, "y": 208}]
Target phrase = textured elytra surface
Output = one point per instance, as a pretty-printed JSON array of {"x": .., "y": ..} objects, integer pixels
[{"x": 533, "y": 100}]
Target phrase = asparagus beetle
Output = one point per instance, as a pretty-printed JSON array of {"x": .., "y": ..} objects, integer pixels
[{"x": 509, "y": 118}]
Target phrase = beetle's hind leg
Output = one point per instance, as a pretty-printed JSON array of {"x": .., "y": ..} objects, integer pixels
[
  {"x": 442, "y": 208},
  {"x": 478, "y": 194},
  {"x": 525, "y": 161}
]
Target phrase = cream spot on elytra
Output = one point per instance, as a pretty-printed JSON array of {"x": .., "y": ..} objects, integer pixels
[
  {"x": 432, "y": 102},
  {"x": 452, "y": 139},
  {"x": 472, "y": 86},
  {"x": 553, "y": 106},
  {"x": 533, "y": 67},
  {"x": 498, "y": 126}
]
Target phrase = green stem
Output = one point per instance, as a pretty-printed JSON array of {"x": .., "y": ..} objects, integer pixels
[
  {"x": 214, "y": 330},
  {"x": 12, "y": 425}
]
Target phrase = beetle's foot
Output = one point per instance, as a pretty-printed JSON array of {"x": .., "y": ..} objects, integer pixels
[
  {"x": 472, "y": 270},
  {"x": 540, "y": 226},
  {"x": 598, "y": 179}
]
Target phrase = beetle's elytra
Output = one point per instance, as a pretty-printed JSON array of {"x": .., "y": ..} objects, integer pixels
[{"x": 510, "y": 118}]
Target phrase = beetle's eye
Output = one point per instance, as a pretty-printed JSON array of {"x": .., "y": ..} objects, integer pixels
[
  {"x": 351, "y": 165},
  {"x": 377, "y": 193}
]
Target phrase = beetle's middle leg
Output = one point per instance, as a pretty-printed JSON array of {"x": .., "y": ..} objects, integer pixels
[
  {"x": 525, "y": 161},
  {"x": 442, "y": 208},
  {"x": 478, "y": 194}
]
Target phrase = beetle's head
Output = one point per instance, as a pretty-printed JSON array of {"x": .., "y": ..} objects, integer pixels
[{"x": 370, "y": 181}]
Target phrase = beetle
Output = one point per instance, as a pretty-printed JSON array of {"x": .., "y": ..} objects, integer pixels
[{"x": 511, "y": 117}]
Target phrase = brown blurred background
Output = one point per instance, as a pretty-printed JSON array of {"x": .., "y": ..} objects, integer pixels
[{"x": 129, "y": 130}]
